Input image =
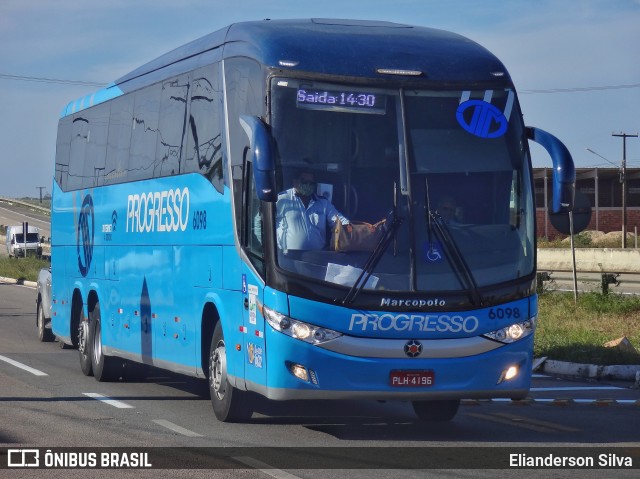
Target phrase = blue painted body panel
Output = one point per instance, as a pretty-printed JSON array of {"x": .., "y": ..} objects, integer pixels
[
  {"x": 341, "y": 375},
  {"x": 406, "y": 324},
  {"x": 108, "y": 93},
  {"x": 152, "y": 281}
]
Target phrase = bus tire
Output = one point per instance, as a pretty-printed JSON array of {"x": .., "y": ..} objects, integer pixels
[
  {"x": 436, "y": 411},
  {"x": 84, "y": 344},
  {"x": 44, "y": 333},
  {"x": 105, "y": 368},
  {"x": 229, "y": 403}
]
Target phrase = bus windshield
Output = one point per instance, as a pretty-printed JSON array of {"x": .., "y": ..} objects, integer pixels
[{"x": 448, "y": 169}]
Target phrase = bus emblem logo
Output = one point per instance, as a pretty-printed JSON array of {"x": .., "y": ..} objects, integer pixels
[
  {"x": 85, "y": 235},
  {"x": 413, "y": 348},
  {"x": 482, "y": 119}
]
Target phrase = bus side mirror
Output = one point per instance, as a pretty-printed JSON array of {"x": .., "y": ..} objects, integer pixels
[
  {"x": 264, "y": 170},
  {"x": 564, "y": 173}
]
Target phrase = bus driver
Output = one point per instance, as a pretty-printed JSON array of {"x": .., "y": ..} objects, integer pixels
[{"x": 302, "y": 217}]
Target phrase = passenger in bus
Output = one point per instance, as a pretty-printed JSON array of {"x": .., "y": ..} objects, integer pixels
[
  {"x": 303, "y": 218},
  {"x": 447, "y": 210}
]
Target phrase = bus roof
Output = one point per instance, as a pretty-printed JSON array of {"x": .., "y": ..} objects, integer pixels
[{"x": 347, "y": 48}]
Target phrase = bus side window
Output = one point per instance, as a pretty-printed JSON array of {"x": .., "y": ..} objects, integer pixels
[{"x": 253, "y": 229}]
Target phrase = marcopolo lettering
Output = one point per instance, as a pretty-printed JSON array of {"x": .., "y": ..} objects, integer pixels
[
  {"x": 159, "y": 211},
  {"x": 415, "y": 303},
  {"x": 440, "y": 323}
]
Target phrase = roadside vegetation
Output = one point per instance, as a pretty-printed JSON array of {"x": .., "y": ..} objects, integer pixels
[
  {"x": 25, "y": 269},
  {"x": 577, "y": 332},
  {"x": 591, "y": 239}
]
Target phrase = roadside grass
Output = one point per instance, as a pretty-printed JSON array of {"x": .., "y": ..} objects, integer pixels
[
  {"x": 577, "y": 333},
  {"x": 25, "y": 269}
]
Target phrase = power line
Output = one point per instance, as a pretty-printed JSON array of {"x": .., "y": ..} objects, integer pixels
[
  {"x": 581, "y": 89},
  {"x": 6, "y": 76}
]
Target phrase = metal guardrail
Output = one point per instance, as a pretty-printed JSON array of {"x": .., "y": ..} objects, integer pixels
[
  {"x": 601, "y": 281},
  {"x": 24, "y": 203}
]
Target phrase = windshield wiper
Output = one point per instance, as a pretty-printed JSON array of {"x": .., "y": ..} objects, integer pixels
[
  {"x": 456, "y": 259},
  {"x": 373, "y": 259},
  {"x": 452, "y": 250}
]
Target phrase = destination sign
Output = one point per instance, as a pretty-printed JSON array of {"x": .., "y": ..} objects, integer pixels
[{"x": 341, "y": 100}]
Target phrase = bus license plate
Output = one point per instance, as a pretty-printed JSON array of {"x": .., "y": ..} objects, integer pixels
[{"x": 412, "y": 378}]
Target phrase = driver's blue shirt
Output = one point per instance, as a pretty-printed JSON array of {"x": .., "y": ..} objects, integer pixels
[{"x": 300, "y": 228}]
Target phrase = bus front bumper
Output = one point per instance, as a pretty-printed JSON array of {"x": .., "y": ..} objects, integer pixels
[{"x": 298, "y": 370}]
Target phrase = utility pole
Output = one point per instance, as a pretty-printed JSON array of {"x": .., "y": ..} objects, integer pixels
[
  {"x": 41, "y": 188},
  {"x": 623, "y": 180}
]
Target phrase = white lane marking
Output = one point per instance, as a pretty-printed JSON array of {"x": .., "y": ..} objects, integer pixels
[
  {"x": 109, "y": 401},
  {"x": 575, "y": 400},
  {"x": 580, "y": 388},
  {"x": 29, "y": 369},
  {"x": 176, "y": 428},
  {"x": 265, "y": 468}
]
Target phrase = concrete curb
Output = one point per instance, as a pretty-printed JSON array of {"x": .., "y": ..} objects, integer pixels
[
  {"x": 21, "y": 282},
  {"x": 591, "y": 371}
]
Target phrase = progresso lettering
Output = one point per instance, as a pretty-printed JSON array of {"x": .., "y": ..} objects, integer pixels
[
  {"x": 441, "y": 323},
  {"x": 159, "y": 211}
]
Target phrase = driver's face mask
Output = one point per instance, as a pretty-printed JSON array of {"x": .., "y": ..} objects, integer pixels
[{"x": 305, "y": 188}]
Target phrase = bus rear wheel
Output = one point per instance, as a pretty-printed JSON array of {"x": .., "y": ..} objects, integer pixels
[
  {"x": 229, "y": 403},
  {"x": 84, "y": 342},
  {"x": 436, "y": 411},
  {"x": 105, "y": 368}
]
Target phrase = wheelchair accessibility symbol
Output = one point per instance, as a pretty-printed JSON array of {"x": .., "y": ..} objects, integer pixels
[
  {"x": 433, "y": 255},
  {"x": 432, "y": 252}
]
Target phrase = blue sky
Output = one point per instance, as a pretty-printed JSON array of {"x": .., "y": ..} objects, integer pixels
[{"x": 588, "y": 49}]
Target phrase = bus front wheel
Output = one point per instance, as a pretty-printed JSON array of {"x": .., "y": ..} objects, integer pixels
[
  {"x": 229, "y": 403},
  {"x": 44, "y": 333},
  {"x": 436, "y": 411}
]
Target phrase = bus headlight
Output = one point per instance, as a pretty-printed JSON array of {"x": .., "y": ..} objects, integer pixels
[
  {"x": 306, "y": 332},
  {"x": 514, "y": 332}
]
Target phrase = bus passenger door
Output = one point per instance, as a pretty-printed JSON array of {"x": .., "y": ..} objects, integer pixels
[{"x": 252, "y": 284}]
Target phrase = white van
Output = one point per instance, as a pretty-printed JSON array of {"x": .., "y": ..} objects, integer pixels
[{"x": 16, "y": 244}]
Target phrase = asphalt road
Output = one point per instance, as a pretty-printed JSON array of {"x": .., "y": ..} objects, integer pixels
[{"x": 46, "y": 401}]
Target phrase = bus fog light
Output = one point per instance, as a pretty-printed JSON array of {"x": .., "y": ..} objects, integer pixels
[
  {"x": 509, "y": 373},
  {"x": 299, "y": 371}
]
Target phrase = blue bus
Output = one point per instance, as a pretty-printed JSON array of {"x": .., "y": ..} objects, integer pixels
[{"x": 173, "y": 202}]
